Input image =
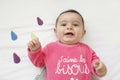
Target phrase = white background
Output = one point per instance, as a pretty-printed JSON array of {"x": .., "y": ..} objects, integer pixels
[{"x": 102, "y": 22}]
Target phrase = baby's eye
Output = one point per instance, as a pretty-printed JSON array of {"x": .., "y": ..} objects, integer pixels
[
  {"x": 63, "y": 24},
  {"x": 76, "y": 24}
]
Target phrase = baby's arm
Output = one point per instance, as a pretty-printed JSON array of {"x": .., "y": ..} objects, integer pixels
[
  {"x": 100, "y": 68},
  {"x": 35, "y": 53}
]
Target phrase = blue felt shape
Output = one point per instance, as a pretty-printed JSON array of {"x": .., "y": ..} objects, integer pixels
[{"x": 13, "y": 35}]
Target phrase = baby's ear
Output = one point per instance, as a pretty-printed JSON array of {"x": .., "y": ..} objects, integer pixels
[
  {"x": 55, "y": 30},
  {"x": 84, "y": 32}
]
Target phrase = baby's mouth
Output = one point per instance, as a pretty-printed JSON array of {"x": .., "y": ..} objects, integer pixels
[{"x": 69, "y": 34}]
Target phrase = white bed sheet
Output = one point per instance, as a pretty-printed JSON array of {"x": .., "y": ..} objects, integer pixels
[{"x": 108, "y": 52}]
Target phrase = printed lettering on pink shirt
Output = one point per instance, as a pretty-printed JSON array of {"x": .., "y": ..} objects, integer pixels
[{"x": 78, "y": 66}]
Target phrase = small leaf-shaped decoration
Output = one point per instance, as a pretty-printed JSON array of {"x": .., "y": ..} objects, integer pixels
[
  {"x": 16, "y": 58},
  {"x": 13, "y": 35},
  {"x": 37, "y": 77},
  {"x": 39, "y": 21},
  {"x": 33, "y": 36}
]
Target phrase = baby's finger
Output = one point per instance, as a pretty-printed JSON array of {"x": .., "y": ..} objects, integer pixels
[
  {"x": 96, "y": 63},
  {"x": 30, "y": 44},
  {"x": 100, "y": 65},
  {"x": 35, "y": 41},
  {"x": 98, "y": 68}
]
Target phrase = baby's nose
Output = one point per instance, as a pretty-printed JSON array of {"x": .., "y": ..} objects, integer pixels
[{"x": 69, "y": 27}]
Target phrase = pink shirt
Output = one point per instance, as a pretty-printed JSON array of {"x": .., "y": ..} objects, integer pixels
[{"x": 65, "y": 62}]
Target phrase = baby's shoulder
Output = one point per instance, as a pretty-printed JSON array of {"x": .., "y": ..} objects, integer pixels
[
  {"x": 84, "y": 45},
  {"x": 51, "y": 44}
]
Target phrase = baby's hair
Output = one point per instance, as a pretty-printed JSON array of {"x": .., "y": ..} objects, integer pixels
[{"x": 70, "y": 10}]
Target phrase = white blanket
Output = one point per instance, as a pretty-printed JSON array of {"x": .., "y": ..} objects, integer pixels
[{"x": 24, "y": 70}]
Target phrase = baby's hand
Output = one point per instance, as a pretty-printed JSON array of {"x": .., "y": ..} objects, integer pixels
[
  {"x": 100, "y": 68},
  {"x": 34, "y": 44}
]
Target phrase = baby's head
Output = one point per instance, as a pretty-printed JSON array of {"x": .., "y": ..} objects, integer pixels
[{"x": 69, "y": 27}]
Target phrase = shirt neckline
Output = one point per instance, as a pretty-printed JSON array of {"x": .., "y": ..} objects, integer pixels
[{"x": 65, "y": 45}]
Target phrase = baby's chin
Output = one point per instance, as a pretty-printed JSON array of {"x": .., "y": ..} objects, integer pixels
[{"x": 67, "y": 42}]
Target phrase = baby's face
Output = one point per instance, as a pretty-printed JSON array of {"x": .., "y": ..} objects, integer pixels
[{"x": 69, "y": 29}]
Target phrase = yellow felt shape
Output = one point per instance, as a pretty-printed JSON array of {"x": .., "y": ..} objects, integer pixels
[{"x": 33, "y": 36}]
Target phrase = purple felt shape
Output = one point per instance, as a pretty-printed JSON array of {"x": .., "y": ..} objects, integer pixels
[
  {"x": 39, "y": 21},
  {"x": 16, "y": 58}
]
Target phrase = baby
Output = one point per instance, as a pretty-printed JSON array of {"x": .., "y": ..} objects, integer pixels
[{"x": 67, "y": 58}]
